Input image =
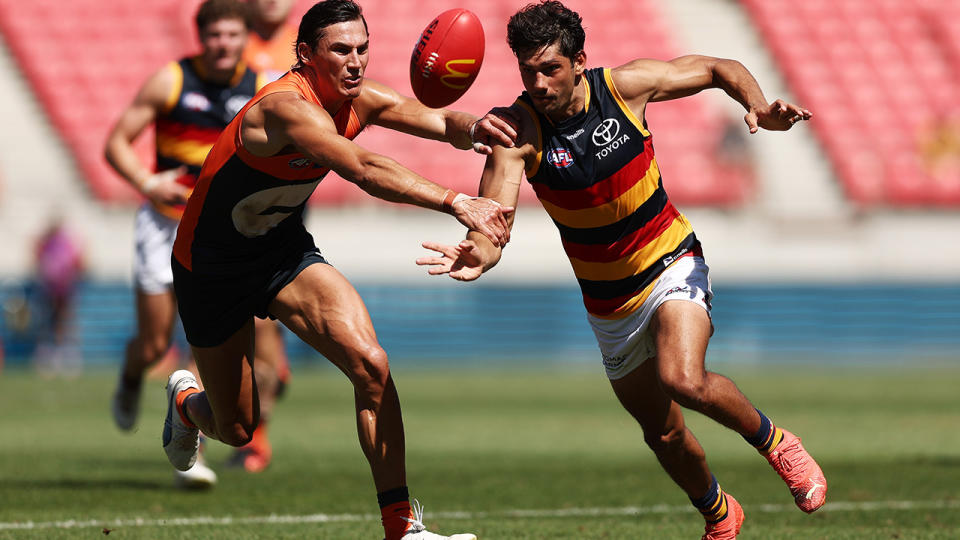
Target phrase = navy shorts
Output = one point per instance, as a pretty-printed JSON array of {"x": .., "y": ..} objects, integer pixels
[{"x": 213, "y": 306}]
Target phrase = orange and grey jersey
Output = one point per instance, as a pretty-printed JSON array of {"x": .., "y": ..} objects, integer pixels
[
  {"x": 196, "y": 112},
  {"x": 246, "y": 211},
  {"x": 597, "y": 177}
]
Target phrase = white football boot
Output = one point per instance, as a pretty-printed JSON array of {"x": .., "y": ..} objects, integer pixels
[
  {"x": 181, "y": 443},
  {"x": 125, "y": 405},
  {"x": 418, "y": 531},
  {"x": 197, "y": 477}
]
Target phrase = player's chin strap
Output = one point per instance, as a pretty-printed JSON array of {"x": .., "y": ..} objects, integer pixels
[{"x": 416, "y": 523}]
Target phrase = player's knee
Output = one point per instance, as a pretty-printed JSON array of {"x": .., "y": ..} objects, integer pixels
[
  {"x": 150, "y": 348},
  {"x": 372, "y": 372},
  {"x": 683, "y": 387},
  {"x": 237, "y": 433}
]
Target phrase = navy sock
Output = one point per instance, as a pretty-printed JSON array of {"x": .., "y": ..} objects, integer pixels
[
  {"x": 393, "y": 496},
  {"x": 767, "y": 437},
  {"x": 713, "y": 505}
]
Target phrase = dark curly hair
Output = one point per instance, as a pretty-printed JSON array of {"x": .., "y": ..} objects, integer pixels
[{"x": 537, "y": 26}]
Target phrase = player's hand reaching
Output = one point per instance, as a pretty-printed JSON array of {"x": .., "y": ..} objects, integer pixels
[
  {"x": 161, "y": 187},
  {"x": 499, "y": 126},
  {"x": 777, "y": 116},
  {"x": 485, "y": 216},
  {"x": 462, "y": 262}
]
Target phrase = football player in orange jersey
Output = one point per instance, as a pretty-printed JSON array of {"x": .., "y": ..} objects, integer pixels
[
  {"x": 189, "y": 102},
  {"x": 242, "y": 249},
  {"x": 584, "y": 145}
]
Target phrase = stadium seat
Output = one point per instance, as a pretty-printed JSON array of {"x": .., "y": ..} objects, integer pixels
[
  {"x": 85, "y": 59},
  {"x": 878, "y": 74}
]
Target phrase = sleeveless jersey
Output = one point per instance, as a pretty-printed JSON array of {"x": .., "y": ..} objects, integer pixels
[
  {"x": 246, "y": 211},
  {"x": 196, "y": 112},
  {"x": 597, "y": 178}
]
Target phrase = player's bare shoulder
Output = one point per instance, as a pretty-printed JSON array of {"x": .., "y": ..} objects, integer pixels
[
  {"x": 638, "y": 79},
  {"x": 375, "y": 98},
  {"x": 157, "y": 90}
]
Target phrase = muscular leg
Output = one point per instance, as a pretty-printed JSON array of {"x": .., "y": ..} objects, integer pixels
[
  {"x": 664, "y": 429},
  {"x": 229, "y": 408},
  {"x": 682, "y": 330},
  {"x": 325, "y": 311},
  {"x": 155, "y": 317}
]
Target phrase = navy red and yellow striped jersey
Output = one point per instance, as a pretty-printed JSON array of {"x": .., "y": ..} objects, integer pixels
[
  {"x": 597, "y": 177},
  {"x": 196, "y": 112},
  {"x": 246, "y": 210}
]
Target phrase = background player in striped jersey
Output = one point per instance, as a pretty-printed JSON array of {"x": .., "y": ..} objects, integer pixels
[
  {"x": 189, "y": 102},
  {"x": 584, "y": 146},
  {"x": 269, "y": 52}
]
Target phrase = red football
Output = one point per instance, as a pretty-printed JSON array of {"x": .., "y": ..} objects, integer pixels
[{"x": 447, "y": 58}]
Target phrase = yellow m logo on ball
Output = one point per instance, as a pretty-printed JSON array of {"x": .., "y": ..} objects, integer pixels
[{"x": 453, "y": 74}]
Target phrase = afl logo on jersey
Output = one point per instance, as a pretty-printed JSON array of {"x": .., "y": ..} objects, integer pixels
[
  {"x": 195, "y": 101},
  {"x": 560, "y": 158}
]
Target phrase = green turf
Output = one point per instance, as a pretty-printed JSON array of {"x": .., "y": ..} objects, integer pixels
[{"x": 492, "y": 445}]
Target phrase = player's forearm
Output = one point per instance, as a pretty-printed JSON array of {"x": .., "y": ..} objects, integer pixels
[
  {"x": 738, "y": 83},
  {"x": 120, "y": 154},
  {"x": 488, "y": 253},
  {"x": 386, "y": 179},
  {"x": 457, "y": 129}
]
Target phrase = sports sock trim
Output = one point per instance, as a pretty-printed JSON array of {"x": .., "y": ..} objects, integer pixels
[
  {"x": 393, "y": 496},
  {"x": 767, "y": 437},
  {"x": 713, "y": 505},
  {"x": 181, "y": 398}
]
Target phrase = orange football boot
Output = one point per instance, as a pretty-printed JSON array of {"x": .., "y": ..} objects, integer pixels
[
  {"x": 801, "y": 473},
  {"x": 729, "y": 527}
]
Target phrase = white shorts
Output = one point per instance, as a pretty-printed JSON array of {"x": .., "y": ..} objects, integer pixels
[
  {"x": 625, "y": 343},
  {"x": 154, "y": 234}
]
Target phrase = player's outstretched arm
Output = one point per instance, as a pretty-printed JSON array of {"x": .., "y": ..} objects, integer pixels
[
  {"x": 468, "y": 260},
  {"x": 646, "y": 80},
  {"x": 149, "y": 102},
  {"x": 284, "y": 119},
  {"x": 462, "y": 130}
]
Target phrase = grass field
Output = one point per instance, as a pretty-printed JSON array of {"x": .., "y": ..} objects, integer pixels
[{"x": 507, "y": 455}]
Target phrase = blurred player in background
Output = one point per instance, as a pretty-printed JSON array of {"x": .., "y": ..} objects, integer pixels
[
  {"x": 190, "y": 102},
  {"x": 269, "y": 52},
  {"x": 242, "y": 249},
  {"x": 585, "y": 148},
  {"x": 59, "y": 267},
  {"x": 270, "y": 49}
]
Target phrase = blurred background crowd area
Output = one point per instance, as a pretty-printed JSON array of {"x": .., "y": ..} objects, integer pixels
[{"x": 834, "y": 238}]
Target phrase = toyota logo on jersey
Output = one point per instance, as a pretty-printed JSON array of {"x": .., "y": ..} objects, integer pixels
[
  {"x": 561, "y": 158},
  {"x": 606, "y": 132}
]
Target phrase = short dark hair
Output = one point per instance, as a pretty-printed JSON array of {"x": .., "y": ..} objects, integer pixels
[
  {"x": 322, "y": 15},
  {"x": 212, "y": 11},
  {"x": 538, "y": 26}
]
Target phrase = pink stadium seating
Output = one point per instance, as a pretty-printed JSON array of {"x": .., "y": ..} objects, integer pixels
[
  {"x": 85, "y": 60},
  {"x": 881, "y": 76}
]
